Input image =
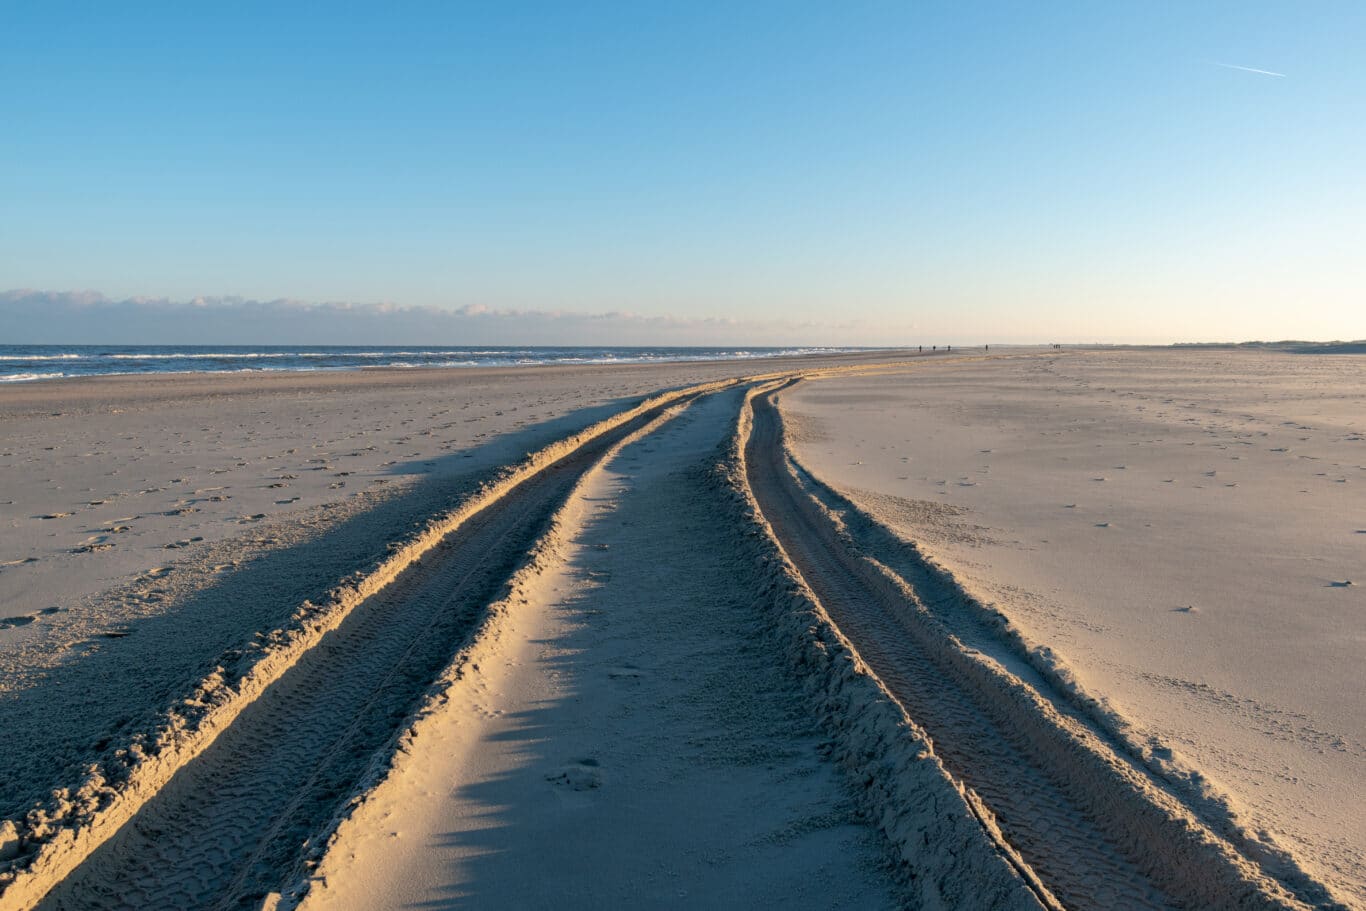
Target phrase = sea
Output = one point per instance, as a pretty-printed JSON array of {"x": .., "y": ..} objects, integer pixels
[{"x": 25, "y": 363}]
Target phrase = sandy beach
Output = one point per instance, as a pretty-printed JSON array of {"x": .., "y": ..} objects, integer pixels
[
  {"x": 626, "y": 713},
  {"x": 1179, "y": 528},
  {"x": 685, "y": 456},
  {"x": 1033, "y": 629}
]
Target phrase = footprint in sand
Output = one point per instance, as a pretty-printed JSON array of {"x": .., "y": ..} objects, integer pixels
[
  {"x": 92, "y": 547},
  {"x": 12, "y": 622},
  {"x": 583, "y": 775},
  {"x": 1345, "y": 583}
]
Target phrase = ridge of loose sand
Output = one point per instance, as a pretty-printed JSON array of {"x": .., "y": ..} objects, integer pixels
[
  {"x": 952, "y": 853},
  {"x": 1106, "y": 503},
  {"x": 63, "y": 831},
  {"x": 694, "y": 765},
  {"x": 617, "y": 738},
  {"x": 1094, "y": 826},
  {"x": 274, "y": 589}
]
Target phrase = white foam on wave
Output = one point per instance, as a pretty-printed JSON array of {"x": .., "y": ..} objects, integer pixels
[
  {"x": 41, "y": 357},
  {"x": 122, "y": 362},
  {"x": 26, "y": 377}
]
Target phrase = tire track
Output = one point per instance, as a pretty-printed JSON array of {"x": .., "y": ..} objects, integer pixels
[
  {"x": 1090, "y": 826},
  {"x": 232, "y": 824},
  {"x": 64, "y": 829}
]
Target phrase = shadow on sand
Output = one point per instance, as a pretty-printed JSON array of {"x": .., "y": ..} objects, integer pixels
[
  {"x": 674, "y": 763},
  {"x": 114, "y": 684}
]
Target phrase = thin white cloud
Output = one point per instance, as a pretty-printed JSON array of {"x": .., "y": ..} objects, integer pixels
[{"x": 1248, "y": 69}]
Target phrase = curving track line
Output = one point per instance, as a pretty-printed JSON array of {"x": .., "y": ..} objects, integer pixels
[
  {"x": 1073, "y": 812},
  {"x": 231, "y": 825}
]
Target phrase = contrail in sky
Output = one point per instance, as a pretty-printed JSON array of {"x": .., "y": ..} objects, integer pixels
[{"x": 1248, "y": 69}]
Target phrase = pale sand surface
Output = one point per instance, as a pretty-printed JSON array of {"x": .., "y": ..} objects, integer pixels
[
  {"x": 159, "y": 531},
  {"x": 1176, "y": 525},
  {"x": 104, "y": 478},
  {"x": 597, "y": 641},
  {"x": 624, "y": 744},
  {"x": 290, "y": 482}
]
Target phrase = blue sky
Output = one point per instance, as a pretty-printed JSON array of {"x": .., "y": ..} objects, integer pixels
[{"x": 852, "y": 172}]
